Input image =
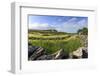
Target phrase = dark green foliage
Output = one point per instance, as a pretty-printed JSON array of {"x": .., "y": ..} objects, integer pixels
[{"x": 83, "y": 31}]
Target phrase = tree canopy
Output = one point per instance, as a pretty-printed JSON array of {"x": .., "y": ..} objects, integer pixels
[{"x": 83, "y": 31}]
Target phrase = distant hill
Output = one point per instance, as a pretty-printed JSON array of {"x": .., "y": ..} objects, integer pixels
[
  {"x": 50, "y": 30},
  {"x": 47, "y": 31}
]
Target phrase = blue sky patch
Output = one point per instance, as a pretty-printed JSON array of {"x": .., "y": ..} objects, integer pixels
[{"x": 68, "y": 24}]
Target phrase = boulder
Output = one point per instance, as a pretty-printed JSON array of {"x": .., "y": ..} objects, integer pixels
[
  {"x": 79, "y": 53},
  {"x": 37, "y": 53},
  {"x": 45, "y": 57},
  {"x": 31, "y": 50},
  {"x": 60, "y": 54},
  {"x": 84, "y": 53}
]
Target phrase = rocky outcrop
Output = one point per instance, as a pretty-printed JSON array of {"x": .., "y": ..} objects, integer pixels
[
  {"x": 79, "y": 53},
  {"x": 60, "y": 54},
  {"x": 31, "y": 50},
  {"x": 38, "y": 53},
  {"x": 84, "y": 40},
  {"x": 45, "y": 57},
  {"x": 84, "y": 53}
]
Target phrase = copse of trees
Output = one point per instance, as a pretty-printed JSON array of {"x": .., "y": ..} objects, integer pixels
[{"x": 83, "y": 31}]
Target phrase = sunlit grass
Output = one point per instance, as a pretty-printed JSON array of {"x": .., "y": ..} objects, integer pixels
[{"x": 52, "y": 46}]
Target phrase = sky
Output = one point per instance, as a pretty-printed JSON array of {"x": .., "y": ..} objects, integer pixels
[{"x": 68, "y": 24}]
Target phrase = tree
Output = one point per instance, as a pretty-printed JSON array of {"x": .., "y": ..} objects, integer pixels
[
  {"x": 83, "y": 31},
  {"x": 79, "y": 31}
]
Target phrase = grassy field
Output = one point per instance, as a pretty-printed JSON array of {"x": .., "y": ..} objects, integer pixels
[{"x": 53, "y": 41}]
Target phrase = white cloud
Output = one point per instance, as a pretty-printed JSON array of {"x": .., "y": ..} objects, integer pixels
[
  {"x": 71, "y": 26},
  {"x": 72, "y": 19},
  {"x": 38, "y": 26},
  {"x": 82, "y": 22}
]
